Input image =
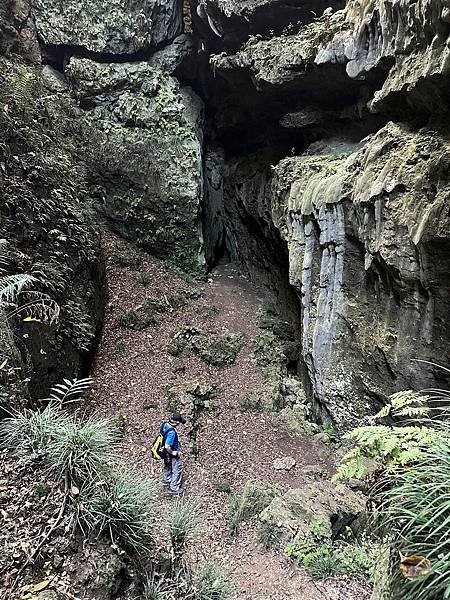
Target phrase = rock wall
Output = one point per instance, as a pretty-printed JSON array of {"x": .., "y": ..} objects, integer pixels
[
  {"x": 350, "y": 111},
  {"x": 317, "y": 156}
]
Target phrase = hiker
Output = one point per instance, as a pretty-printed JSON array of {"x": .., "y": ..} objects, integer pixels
[{"x": 173, "y": 468}]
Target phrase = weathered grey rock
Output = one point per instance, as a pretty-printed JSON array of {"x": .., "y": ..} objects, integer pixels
[
  {"x": 285, "y": 463},
  {"x": 333, "y": 505},
  {"x": 149, "y": 138},
  {"x": 368, "y": 236},
  {"x": 213, "y": 348},
  {"x": 234, "y": 20},
  {"x": 119, "y": 27},
  {"x": 17, "y": 30}
]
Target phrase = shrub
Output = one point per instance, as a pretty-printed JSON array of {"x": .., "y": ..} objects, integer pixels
[
  {"x": 322, "y": 557},
  {"x": 123, "y": 505},
  {"x": 254, "y": 499}
]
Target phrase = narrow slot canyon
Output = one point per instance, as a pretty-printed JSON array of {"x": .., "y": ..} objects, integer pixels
[{"x": 237, "y": 211}]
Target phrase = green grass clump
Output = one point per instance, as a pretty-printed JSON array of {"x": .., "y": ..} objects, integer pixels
[
  {"x": 28, "y": 431},
  {"x": 211, "y": 584},
  {"x": 82, "y": 450},
  {"x": 415, "y": 509},
  {"x": 123, "y": 505},
  {"x": 269, "y": 534},
  {"x": 183, "y": 522}
]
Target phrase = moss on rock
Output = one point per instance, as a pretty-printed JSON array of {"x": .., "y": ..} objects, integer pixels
[{"x": 147, "y": 136}]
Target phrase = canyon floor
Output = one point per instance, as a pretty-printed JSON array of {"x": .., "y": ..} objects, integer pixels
[{"x": 133, "y": 372}]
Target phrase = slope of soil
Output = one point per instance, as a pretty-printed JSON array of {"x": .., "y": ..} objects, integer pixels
[{"x": 133, "y": 372}]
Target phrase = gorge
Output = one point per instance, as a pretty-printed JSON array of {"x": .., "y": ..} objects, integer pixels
[{"x": 305, "y": 144}]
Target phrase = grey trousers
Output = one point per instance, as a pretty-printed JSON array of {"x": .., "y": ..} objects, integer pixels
[{"x": 172, "y": 474}]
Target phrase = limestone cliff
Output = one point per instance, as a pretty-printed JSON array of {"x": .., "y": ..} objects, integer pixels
[
  {"x": 313, "y": 148},
  {"x": 365, "y": 220}
]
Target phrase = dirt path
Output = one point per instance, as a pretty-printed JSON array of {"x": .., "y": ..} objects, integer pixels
[{"x": 133, "y": 372}]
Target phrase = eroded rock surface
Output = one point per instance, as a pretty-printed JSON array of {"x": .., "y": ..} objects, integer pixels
[
  {"x": 368, "y": 236},
  {"x": 148, "y": 135},
  {"x": 332, "y": 505},
  {"x": 121, "y": 27}
]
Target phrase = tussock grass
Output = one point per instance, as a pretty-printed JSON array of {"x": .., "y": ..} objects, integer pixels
[
  {"x": 29, "y": 432},
  {"x": 415, "y": 504},
  {"x": 123, "y": 505},
  {"x": 212, "y": 584},
  {"x": 184, "y": 522},
  {"x": 82, "y": 450}
]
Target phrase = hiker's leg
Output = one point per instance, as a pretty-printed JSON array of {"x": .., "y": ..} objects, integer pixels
[
  {"x": 177, "y": 473},
  {"x": 167, "y": 471}
]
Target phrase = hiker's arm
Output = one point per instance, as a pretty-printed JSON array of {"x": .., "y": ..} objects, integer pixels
[{"x": 170, "y": 451}]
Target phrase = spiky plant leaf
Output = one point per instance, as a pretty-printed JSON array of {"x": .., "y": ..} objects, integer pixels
[
  {"x": 70, "y": 390},
  {"x": 122, "y": 504},
  {"x": 183, "y": 521},
  {"x": 28, "y": 432},
  {"x": 82, "y": 450}
]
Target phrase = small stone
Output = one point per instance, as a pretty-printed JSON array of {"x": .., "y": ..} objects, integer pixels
[{"x": 286, "y": 463}]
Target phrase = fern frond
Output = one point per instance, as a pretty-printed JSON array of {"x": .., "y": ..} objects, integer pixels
[
  {"x": 40, "y": 307},
  {"x": 70, "y": 390},
  {"x": 12, "y": 285},
  {"x": 4, "y": 256}
]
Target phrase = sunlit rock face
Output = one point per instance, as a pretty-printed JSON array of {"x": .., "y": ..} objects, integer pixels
[{"x": 119, "y": 27}]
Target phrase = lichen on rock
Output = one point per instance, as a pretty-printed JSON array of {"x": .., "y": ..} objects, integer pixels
[
  {"x": 146, "y": 133},
  {"x": 121, "y": 27}
]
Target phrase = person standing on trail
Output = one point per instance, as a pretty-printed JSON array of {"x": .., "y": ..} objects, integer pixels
[{"x": 173, "y": 469}]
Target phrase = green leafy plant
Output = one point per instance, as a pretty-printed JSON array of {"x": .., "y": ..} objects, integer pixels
[
  {"x": 29, "y": 432},
  {"x": 322, "y": 557},
  {"x": 415, "y": 510},
  {"x": 157, "y": 590},
  {"x": 391, "y": 446}
]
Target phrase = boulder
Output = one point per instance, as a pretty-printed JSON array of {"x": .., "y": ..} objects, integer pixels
[
  {"x": 213, "y": 348},
  {"x": 285, "y": 463},
  {"x": 333, "y": 505},
  {"x": 120, "y": 27}
]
